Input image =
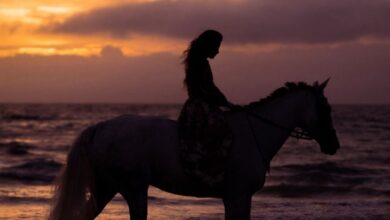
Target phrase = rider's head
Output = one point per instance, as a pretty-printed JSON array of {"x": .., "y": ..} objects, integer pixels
[{"x": 206, "y": 45}]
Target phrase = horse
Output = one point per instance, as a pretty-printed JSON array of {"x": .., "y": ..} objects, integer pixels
[{"x": 129, "y": 153}]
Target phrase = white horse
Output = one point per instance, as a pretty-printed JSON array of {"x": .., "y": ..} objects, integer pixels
[{"x": 128, "y": 153}]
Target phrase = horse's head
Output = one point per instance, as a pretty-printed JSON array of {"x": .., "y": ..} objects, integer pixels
[{"x": 319, "y": 121}]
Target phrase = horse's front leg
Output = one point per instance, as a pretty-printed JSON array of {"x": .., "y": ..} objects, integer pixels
[{"x": 237, "y": 206}]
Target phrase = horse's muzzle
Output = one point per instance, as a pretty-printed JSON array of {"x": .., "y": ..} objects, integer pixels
[{"x": 330, "y": 143}]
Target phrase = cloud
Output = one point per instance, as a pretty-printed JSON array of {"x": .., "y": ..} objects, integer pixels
[
  {"x": 247, "y": 21},
  {"x": 110, "y": 51}
]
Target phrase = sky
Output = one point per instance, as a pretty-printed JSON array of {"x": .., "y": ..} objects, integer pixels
[{"x": 123, "y": 51}]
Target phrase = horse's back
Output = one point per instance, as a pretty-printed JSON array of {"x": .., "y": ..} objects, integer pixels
[{"x": 133, "y": 141}]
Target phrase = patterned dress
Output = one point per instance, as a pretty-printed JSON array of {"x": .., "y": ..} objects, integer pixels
[{"x": 204, "y": 134}]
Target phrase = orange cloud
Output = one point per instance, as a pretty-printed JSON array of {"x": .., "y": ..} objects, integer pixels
[{"x": 19, "y": 23}]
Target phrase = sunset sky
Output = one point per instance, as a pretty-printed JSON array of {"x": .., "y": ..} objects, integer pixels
[{"x": 130, "y": 50}]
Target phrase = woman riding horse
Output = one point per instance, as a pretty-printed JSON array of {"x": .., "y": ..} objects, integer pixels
[
  {"x": 129, "y": 153},
  {"x": 203, "y": 131}
]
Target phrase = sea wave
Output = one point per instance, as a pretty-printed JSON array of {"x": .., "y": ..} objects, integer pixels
[
  {"x": 16, "y": 148},
  {"x": 326, "y": 167},
  {"x": 17, "y": 199},
  {"x": 290, "y": 190},
  {"x": 37, "y": 170},
  {"x": 308, "y": 190},
  {"x": 27, "y": 117},
  {"x": 326, "y": 178}
]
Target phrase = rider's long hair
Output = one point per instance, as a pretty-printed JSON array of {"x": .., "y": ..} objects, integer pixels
[{"x": 198, "y": 51}]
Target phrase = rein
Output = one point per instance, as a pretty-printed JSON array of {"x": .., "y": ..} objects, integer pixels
[{"x": 293, "y": 132}]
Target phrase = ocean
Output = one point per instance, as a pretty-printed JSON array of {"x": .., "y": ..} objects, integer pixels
[{"x": 303, "y": 182}]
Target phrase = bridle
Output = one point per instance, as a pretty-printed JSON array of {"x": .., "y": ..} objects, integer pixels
[{"x": 293, "y": 132}]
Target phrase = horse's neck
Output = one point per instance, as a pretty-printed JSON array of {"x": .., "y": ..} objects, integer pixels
[{"x": 286, "y": 111}]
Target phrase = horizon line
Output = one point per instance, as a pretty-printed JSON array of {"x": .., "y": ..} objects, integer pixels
[{"x": 145, "y": 103}]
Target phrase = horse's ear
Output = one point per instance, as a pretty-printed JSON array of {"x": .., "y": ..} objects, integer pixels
[{"x": 323, "y": 85}]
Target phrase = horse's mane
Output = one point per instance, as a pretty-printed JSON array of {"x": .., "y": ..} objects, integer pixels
[{"x": 287, "y": 88}]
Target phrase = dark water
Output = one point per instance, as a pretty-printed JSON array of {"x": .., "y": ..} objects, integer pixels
[{"x": 303, "y": 183}]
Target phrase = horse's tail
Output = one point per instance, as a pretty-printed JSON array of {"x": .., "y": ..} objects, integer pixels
[{"x": 74, "y": 188}]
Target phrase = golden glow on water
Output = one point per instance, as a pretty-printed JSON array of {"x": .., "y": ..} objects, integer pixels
[
  {"x": 21, "y": 211},
  {"x": 20, "y": 192},
  {"x": 32, "y": 202}
]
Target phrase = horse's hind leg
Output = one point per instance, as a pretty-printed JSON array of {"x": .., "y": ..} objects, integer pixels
[
  {"x": 137, "y": 200},
  {"x": 104, "y": 192}
]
